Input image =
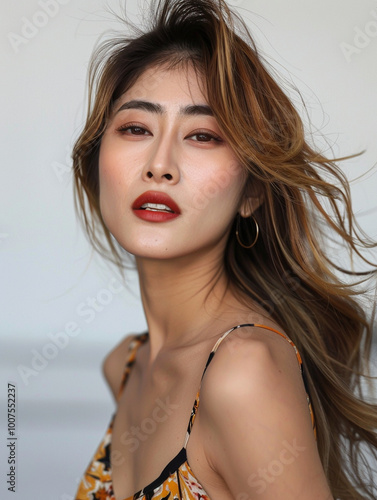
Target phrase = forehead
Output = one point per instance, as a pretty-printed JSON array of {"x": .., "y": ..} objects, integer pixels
[{"x": 168, "y": 86}]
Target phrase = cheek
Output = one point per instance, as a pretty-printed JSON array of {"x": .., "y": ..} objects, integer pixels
[
  {"x": 221, "y": 189},
  {"x": 117, "y": 164},
  {"x": 110, "y": 180},
  {"x": 113, "y": 165}
]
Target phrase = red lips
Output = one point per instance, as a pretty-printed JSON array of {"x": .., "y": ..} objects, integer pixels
[{"x": 153, "y": 214}]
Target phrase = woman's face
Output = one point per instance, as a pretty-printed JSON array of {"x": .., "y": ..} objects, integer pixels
[{"x": 170, "y": 185}]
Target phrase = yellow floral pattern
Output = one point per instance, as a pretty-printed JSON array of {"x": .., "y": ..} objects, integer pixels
[{"x": 177, "y": 480}]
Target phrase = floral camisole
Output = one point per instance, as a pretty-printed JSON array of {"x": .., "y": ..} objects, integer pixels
[{"x": 177, "y": 480}]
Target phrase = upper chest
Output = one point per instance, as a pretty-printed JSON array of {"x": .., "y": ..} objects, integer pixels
[{"x": 152, "y": 419}]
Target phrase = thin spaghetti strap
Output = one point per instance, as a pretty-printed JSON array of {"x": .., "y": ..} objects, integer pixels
[
  {"x": 256, "y": 325},
  {"x": 135, "y": 343},
  {"x": 196, "y": 402},
  {"x": 284, "y": 337},
  {"x": 211, "y": 355}
]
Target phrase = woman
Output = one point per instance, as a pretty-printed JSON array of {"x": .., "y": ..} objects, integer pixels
[{"x": 194, "y": 160}]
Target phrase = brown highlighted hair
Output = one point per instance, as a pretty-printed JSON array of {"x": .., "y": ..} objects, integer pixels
[{"x": 289, "y": 270}]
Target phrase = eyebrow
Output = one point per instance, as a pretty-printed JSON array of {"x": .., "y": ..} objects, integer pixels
[{"x": 151, "y": 107}]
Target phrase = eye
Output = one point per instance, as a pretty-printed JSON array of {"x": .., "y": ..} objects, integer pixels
[
  {"x": 204, "y": 136},
  {"x": 133, "y": 129}
]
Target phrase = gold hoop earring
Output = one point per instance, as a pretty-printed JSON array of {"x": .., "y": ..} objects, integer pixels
[{"x": 238, "y": 226}]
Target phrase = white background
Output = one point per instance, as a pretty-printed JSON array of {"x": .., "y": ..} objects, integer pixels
[{"x": 48, "y": 271}]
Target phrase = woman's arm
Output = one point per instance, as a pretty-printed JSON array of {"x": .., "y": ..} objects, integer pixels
[{"x": 260, "y": 436}]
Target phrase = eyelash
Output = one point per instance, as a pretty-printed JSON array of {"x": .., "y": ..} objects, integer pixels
[
  {"x": 124, "y": 128},
  {"x": 212, "y": 137}
]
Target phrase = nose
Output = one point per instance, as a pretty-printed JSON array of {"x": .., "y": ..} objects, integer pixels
[{"x": 163, "y": 162}]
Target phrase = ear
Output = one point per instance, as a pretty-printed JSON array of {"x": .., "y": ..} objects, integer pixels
[{"x": 252, "y": 199}]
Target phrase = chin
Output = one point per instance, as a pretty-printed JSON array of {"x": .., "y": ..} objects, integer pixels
[{"x": 147, "y": 250}]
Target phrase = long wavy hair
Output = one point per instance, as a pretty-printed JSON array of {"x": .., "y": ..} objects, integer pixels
[{"x": 288, "y": 269}]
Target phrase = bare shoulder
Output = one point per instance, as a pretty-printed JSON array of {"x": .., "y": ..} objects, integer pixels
[
  {"x": 114, "y": 363},
  {"x": 251, "y": 359},
  {"x": 255, "y": 413},
  {"x": 258, "y": 365}
]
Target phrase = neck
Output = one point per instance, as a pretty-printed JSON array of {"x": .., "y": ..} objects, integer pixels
[{"x": 184, "y": 300}]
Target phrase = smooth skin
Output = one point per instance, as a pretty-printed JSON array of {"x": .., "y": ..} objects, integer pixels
[{"x": 252, "y": 437}]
